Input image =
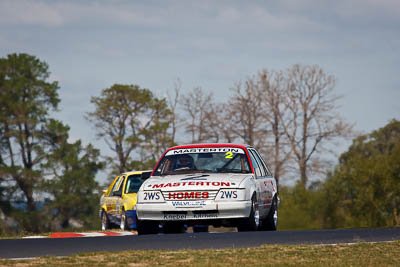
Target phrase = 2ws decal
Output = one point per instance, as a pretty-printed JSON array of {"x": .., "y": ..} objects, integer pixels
[
  {"x": 228, "y": 194},
  {"x": 151, "y": 196}
]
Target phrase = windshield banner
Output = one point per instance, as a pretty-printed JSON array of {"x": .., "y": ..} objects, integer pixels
[{"x": 205, "y": 150}]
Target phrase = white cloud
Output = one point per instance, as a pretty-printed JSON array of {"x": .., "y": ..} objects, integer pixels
[
  {"x": 110, "y": 12},
  {"x": 367, "y": 10},
  {"x": 52, "y": 13},
  {"x": 261, "y": 19},
  {"x": 29, "y": 12},
  {"x": 287, "y": 14}
]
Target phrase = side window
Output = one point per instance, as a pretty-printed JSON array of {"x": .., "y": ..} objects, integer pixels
[
  {"x": 262, "y": 169},
  {"x": 267, "y": 171},
  {"x": 133, "y": 183},
  {"x": 118, "y": 185},
  {"x": 256, "y": 167}
]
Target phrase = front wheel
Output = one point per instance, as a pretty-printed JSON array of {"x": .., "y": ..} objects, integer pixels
[
  {"x": 270, "y": 223},
  {"x": 146, "y": 227},
  {"x": 251, "y": 223},
  {"x": 105, "y": 223}
]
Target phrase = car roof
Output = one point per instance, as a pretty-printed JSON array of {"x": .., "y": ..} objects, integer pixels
[
  {"x": 210, "y": 145},
  {"x": 135, "y": 172}
]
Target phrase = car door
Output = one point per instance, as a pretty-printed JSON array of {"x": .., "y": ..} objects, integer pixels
[
  {"x": 120, "y": 199},
  {"x": 113, "y": 199},
  {"x": 262, "y": 180},
  {"x": 108, "y": 197},
  {"x": 270, "y": 186},
  {"x": 259, "y": 180}
]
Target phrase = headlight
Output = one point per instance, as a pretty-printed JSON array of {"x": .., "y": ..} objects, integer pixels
[
  {"x": 149, "y": 196},
  {"x": 230, "y": 194}
]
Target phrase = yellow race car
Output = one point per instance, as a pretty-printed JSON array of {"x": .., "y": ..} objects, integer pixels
[{"x": 118, "y": 202}]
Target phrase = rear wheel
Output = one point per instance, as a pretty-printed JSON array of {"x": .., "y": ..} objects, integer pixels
[
  {"x": 105, "y": 223},
  {"x": 146, "y": 227},
  {"x": 251, "y": 223},
  {"x": 123, "y": 225},
  {"x": 270, "y": 223}
]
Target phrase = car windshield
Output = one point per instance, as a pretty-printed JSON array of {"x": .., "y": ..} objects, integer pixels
[{"x": 195, "y": 160}]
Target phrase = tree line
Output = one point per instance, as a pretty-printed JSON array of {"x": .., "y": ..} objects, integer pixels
[{"x": 291, "y": 116}]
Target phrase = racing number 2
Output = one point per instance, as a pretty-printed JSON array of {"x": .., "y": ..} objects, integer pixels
[{"x": 228, "y": 155}]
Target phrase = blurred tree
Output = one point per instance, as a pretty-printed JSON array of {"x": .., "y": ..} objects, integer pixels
[
  {"x": 173, "y": 100},
  {"x": 271, "y": 85},
  {"x": 26, "y": 97},
  {"x": 364, "y": 190},
  {"x": 218, "y": 124},
  {"x": 247, "y": 113},
  {"x": 195, "y": 105},
  {"x": 311, "y": 119},
  {"x": 123, "y": 116},
  {"x": 157, "y": 137},
  {"x": 300, "y": 208},
  {"x": 73, "y": 192},
  {"x": 254, "y": 113}
]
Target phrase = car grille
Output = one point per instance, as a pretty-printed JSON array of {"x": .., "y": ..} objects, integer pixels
[{"x": 190, "y": 195}]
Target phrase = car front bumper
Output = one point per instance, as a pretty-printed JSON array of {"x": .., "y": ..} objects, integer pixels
[{"x": 193, "y": 210}]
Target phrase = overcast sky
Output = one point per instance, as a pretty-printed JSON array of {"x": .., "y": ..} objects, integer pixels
[{"x": 90, "y": 45}]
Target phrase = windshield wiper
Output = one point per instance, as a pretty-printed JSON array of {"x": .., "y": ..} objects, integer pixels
[{"x": 225, "y": 170}]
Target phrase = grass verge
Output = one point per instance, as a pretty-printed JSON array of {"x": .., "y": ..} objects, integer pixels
[{"x": 360, "y": 254}]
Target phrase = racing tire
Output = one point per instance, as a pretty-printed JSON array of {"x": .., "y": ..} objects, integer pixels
[
  {"x": 124, "y": 223},
  {"x": 146, "y": 227},
  {"x": 105, "y": 222},
  {"x": 200, "y": 228},
  {"x": 270, "y": 222},
  {"x": 173, "y": 228},
  {"x": 251, "y": 223}
]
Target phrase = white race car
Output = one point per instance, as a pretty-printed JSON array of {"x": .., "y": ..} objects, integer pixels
[{"x": 208, "y": 184}]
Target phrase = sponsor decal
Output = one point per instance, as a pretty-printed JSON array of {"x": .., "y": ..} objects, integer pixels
[
  {"x": 273, "y": 187},
  {"x": 228, "y": 194},
  {"x": 188, "y": 195},
  {"x": 173, "y": 217},
  {"x": 151, "y": 196},
  {"x": 205, "y": 216},
  {"x": 270, "y": 186},
  {"x": 191, "y": 184},
  {"x": 205, "y": 150},
  {"x": 183, "y": 204}
]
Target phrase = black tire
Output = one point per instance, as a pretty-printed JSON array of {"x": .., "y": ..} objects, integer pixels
[
  {"x": 146, "y": 227},
  {"x": 251, "y": 223},
  {"x": 105, "y": 222},
  {"x": 173, "y": 228},
  {"x": 124, "y": 223},
  {"x": 200, "y": 228},
  {"x": 270, "y": 223}
]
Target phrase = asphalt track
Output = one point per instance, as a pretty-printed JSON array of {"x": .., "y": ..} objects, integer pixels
[{"x": 36, "y": 247}]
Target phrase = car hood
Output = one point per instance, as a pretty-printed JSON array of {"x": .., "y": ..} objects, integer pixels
[{"x": 198, "y": 181}]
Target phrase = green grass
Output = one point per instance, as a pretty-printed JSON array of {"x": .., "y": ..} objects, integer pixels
[{"x": 360, "y": 254}]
